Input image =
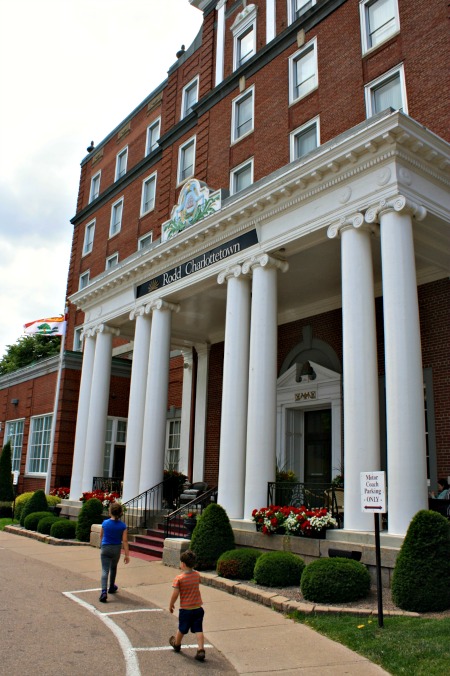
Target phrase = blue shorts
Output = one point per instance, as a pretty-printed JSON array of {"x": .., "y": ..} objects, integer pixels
[{"x": 190, "y": 619}]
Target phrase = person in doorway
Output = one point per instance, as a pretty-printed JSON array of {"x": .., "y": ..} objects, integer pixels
[
  {"x": 113, "y": 536},
  {"x": 187, "y": 587},
  {"x": 443, "y": 492}
]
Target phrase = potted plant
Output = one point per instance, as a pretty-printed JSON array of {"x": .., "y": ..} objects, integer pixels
[
  {"x": 172, "y": 486},
  {"x": 190, "y": 521}
]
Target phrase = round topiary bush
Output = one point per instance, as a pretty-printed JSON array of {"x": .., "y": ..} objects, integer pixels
[
  {"x": 5, "y": 509},
  {"x": 91, "y": 512},
  {"x": 278, "y": 569},
  {"x": 32, "y": 520},
  {"x": 421, "y": 578},
  {"x": 212, "y": 536},
  {"x": 37, "y": 503},
  {"x": 238, "y": 564},
  {"x": 63, "y": 529},
  {"x": 21, "y": 501},
  {"x": 337, "y": 580},
  {"x": 46, "y": 523}
]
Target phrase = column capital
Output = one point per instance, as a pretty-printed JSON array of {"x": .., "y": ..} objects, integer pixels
[
  {"x": 187, "y": 358},
  {"x": 138, "y": 311},
  {"x": 355, "y": 220},
  {"x": 398, "y": 203},
  {"x": 95, "y": 329},
  {"x": 160, "y": 304},
  {"x": 202, "y": 349},
  {"x": 264, "y": 261},
  {"x": 220, "y": 4},
  {"x": 230, "y": 272}
]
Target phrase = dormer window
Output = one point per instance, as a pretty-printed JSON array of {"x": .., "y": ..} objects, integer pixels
[
  {"x": 244, "y": 34},
  {"x": 190, "y": 97},
  {"x": 121, "y": 164}
]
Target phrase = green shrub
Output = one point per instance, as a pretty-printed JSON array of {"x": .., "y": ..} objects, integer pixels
[
  {"x": 46, "y": 523},
  {"x": 337, "y": 580},
  {"x": 37, "y": 503},
  {"x": 63, "y": 529},
  {"x": 32, "y": 520},
  {"x": 52, "y": 500},
  {"x": 212, "y": 536},
  {"x": 421, "y": 578},
  {"x": 20, "y": 503},
  {"x": 91, "y": 512},
  {"x": 238, "y": 564},
  {"x": 278, "y": 569},
  {"x": 6, "y": 481},
  {"x": 5, "y": 509}
]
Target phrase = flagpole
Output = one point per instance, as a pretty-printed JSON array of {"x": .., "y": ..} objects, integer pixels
[{"x": 55, "y": 407}]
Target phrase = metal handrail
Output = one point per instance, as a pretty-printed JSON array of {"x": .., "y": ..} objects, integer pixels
[
  {"x": 107, "y": 484},
  {"x": 311, "y": 495},
  {"x": 140, "y": 511},
  {"x": 174, "y": 522}
]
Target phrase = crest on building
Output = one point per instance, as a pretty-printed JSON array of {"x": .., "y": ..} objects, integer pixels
[{"x": 196, "y": 201}]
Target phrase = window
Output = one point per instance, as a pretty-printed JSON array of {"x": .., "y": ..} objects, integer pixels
[
  {"x": 89, "y": 238},
  {"x": 304, "y": 139},
  {"x": 186, "y": 160},
  {"x": 39, "y": 444},
  {"x": 388, "y": 91},
  {"x": 145, "y": 241},
  {"x": 114, "y": 453},
  {"x": 303, "y": 71},
  {"x": 379, "y": 21},
  {"x": 116, "y": 217},
  {"x": 148, "y": 194},
  {"x": 112, "y": 261},
  {"x": 84, "y": 280},
  {"x": 242, "y": 115},
  {"x": 298, "y": 7},
  {"x": 121, "y": 163},
  {"x": 77, "y": 342},
  {"x": 244, "y": 35},
  {"x": 189, "y": 98},
  {"x": 95, "y": 187},
  {"x": 172, "y": 458},
  {"x": 241, "y": 177},
  {"x": 14, "y": 433},
  {"x": 153, "y": 134}
]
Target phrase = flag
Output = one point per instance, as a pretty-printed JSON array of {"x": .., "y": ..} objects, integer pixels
[{"x": 52, "y": 326}]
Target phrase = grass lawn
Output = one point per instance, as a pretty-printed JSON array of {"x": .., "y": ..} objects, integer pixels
[
  {"x": 6, "y": 522},
  {"x": 405, "y": 645}
]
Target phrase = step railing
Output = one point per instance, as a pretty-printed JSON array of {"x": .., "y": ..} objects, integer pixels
[
  {"x": 311, "y": 495},
  {"x": 107, "y": 484},
  {"x": 140, "y": 512},
  {"x": 174, "y": 522}
]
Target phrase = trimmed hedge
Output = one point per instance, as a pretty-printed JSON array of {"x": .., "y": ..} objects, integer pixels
[
  {"x": 91, "y": 512},
  {"x": 21, "y": 501},
  {"x": 32, "y": 520},
  {"x": 63, "y": 529},
  {"x": 336, "y": 580},
  {"x": 37, "y": 503},
  {"x": 46, "y": 523},
  {"x": 238, "y": 564},
  {"x": 5, "y": 509},
  {"x": 278, "y": 569},
  {"x": 212, "y": 537}
]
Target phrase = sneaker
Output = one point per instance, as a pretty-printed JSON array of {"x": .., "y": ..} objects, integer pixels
[
  {"x": 113, "y": 589},
  {"x": 176, "y": 647},
  {"x": 200, "y": 656},
  {"x": 103, "y": 596}
]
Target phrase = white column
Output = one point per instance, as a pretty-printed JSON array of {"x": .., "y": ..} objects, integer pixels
[
  {"x": 154, "y": 432},
  {"x": 405, "y": 420},
  {"x": 186, "y": 404},
  {"x": 262, "y": 384},
  {"x": 220, "y": 41},
  {"x": 84, "y": 398},
  {"x": 271, "y": 26},
  {"x": 360, "y": 372},
  {"x": 201, "y": 404},
  {"x": 233, "y": 429},
  {"x": 136, "y": 406},
  {"x": 98, "y": 407}
]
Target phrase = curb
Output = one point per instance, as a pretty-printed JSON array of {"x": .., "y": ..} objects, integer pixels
[{"x": 48, "y": 539}]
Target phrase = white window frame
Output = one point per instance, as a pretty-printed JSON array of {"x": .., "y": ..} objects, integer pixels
[
  {"x": 364, "y": 7},
  {"x": 311, "y": 46},
  {"x": 292, "y": 4},
  {"x": 181, "y": 154},
  {"x": 192, "y": 86},
  {"x": 315, "y": 122},
  {"x": 88, "y": 243},
  {"x": 121, "y": 163},
  {"x": 14, "y": 433},
  {"x": 112, "y": 261},
  {"x": 77, "y": 339},
  {"x": 234, "y": 173},
  {"x": 151, "y": 141},
  {"x": 39, "y": 439},
  {"x": 95, "y": 186},
  {"x": 142, "y": 241},
  {"x": 150, "y": 180},
  {"x": 173, "y": 453},
  {"x": 371, "y": 87},
  {"x": 84, "y": 280},
  {"x": 116, "y": 438},
  {"x": 248, "y": 26},
  {"x": 249, "y": 93},
  {"x": 113, "y": 222}
]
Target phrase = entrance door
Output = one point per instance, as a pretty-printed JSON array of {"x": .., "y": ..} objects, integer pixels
[
  {"x": 317, "y": 446},
  {"x": 119, "y": 462}
]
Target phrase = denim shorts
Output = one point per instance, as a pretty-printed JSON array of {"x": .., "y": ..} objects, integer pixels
[{"x": 190, "y": 619}]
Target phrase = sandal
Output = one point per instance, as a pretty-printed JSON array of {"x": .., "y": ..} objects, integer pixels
[
  {"x": 176, "y": 647},
  {"x": 200, "y": 656}
]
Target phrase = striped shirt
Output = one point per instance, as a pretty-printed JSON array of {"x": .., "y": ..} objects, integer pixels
[{"x": 188, "y": 583}]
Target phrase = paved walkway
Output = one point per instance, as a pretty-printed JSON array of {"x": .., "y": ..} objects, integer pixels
[{"x": 253, "y": 637}]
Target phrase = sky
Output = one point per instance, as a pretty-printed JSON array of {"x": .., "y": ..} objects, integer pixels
[{"x": 70, "y": 72}]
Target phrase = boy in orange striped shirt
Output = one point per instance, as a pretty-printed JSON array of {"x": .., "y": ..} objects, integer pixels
[{"x": 187, "y": 587}]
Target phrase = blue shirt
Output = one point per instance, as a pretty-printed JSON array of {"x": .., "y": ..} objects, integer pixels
[{"x": 112, "y": 531}]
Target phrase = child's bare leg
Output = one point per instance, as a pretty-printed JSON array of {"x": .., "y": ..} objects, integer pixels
[
  {"x": 178, "y": 637},
  {"x": 200, "y": 640}
]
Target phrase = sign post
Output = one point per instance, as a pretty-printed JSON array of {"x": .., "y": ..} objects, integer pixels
[
  {"x": 373, "y": 499},
  {"x": 15, "y": 482}
]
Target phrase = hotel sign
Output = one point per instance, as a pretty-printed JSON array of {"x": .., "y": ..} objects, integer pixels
[{"x": 216, "y": 255}]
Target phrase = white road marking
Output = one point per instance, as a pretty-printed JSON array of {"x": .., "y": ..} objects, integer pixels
[
  {"x": 138, "y": 610},
  {"x": 169, "y": 647}
]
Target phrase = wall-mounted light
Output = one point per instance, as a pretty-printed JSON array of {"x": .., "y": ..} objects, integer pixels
[{"x": 14, "y": 402}]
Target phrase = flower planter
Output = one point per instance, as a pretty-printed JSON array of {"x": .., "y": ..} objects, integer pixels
[{"x": 189, "y": 525}]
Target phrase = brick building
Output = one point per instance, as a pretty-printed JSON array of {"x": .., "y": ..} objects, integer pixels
[{"x": 259, "y": 268}]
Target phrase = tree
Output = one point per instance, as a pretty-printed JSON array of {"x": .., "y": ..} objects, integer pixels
[
  {"x": 6, "y": 483},
  {"x": 28, "y": 349}
]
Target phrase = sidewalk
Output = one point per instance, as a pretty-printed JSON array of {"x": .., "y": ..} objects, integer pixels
[{"x": 253, "y": 637}]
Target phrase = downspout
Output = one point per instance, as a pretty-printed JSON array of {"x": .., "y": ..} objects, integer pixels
[{"x": 192, "y": 415}]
